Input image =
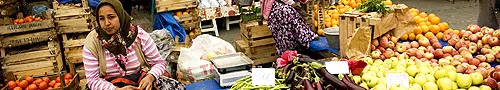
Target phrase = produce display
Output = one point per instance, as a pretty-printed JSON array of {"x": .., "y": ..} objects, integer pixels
[
  {"x": 246, "y": 84},
  {"x": 428, "y": 25},
  {"x": 27, "y": 19},
  {"x": 43, "y": 83}
]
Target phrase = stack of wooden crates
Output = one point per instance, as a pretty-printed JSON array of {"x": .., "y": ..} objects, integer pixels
[
  {"x": 257, "y": 42},
  {"x": 73, "y": 23},
  {"x": 30, "y": 49}
]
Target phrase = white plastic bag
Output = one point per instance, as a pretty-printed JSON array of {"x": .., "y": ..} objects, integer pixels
[{"x": 190, "y": 60}]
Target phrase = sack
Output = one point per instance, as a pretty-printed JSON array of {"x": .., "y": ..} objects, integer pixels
[
  {"x": 193, "y": 61},
  {"x": 267, "y": 5}
]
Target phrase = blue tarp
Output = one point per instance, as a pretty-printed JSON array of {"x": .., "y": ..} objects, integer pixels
[
  {"x": 68, "y": 1},
  {"x": 94, "y": 3},
  {"x": 322, "y": 44},
  {"x": 167, "y": 21}
]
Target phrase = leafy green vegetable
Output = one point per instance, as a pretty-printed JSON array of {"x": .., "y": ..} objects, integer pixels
[{"x": 373, "y": 6}]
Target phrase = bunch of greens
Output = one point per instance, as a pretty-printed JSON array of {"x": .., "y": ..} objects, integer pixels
[{"x": 373, "y": 6}]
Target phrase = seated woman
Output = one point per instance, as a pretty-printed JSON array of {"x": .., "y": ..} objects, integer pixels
[{"x": 116, "y": 54}]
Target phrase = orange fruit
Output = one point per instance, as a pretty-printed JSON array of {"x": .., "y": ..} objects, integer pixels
[
  {"x": 456, "y": 32},
  {"x": 422, "y": 20},
  {"x": 416, "y": 18},
  {"x": 447, "y": 31},
  {"x": 178, "y": 13},
  {"x": 335, "y": 16},
  {"x": 328, "y": 24},
  {"x": 353, "y": 3},
  {"x": 414, "y": 13},
  {"x": 446, "y": 25},
  {"x": 422, "y": 24},
  {"x": 320, "y": 32},
  {"x": 435, "y": 20},
  {"x": 442, "y": 27},
  {"x": 315, "y": 23},
  {"x": 428, "y": 23},
  {"x": 432, "y": 15},
  {"x": 335, "y": 22},
  {"x": 419, "y": 36},
  {"x": 440, "y": 35},
  {"x": 417, "y": 30},
  {"x": 341, "y": 11},
  {"x": 388, "y": 2},
  {"x": 435, "y": 29},
  {"x": 335, "y": 11},
  {"x": 425, "y": 28},
  {"x": 423, "y": 15},
  {"x": 414, "y": 10},
  {"x": 358, "y": 1},
  {"x": 429, "y": 34},
  {"x": 404, "y": 37},
  {"x": 411, "y": 36},
  {"x": 340, "y": 6}
]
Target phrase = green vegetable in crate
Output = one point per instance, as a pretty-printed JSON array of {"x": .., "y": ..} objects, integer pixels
[
  {"x": 246, "y": 84},
  {"x": 373, "y": 6}
]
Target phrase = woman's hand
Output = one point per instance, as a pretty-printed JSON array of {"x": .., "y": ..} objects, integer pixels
[
  {"x": 147, "y": 82},
  {"x": 128, "y": 88}
]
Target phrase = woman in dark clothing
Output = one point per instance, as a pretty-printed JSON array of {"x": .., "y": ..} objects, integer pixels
[
  {"x": 488, "y": 11},
  {"x": 288, "y": 27}
]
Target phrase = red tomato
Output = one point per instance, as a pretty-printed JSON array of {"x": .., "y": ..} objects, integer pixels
[
  {"x": 43, "y": 85},
  {"x": 52, "y": 83},
  {"x": 37, "y": 81},
  {"x": 18, "y": 88},
  {"x": 32, "y": 87},
  {"x": 57, "y": 85},
  {"x": 58, "y": 79},
  {"x": 11, "y": 85},
  {"x": 46, "y": 79},
  {"x": 23, "y": 84},
  {"x": 67, "y": 81},
  {"x": 29, "y": 79},
  {"x": 68, "y": 76}
]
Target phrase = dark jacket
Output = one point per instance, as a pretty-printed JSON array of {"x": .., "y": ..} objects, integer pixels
[{"x": 487, "y": 14}]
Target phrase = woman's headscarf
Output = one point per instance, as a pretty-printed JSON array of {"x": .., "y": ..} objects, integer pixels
[{"x": 118, "y": 42}]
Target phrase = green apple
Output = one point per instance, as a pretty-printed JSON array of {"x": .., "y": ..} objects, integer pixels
[
  {"x": 394, "y": 87},
  {"x": 430, "y": 86},
  {"x": 373, "y": 81},
  {"x": 452, "y": 75},
  {"x": 464, "y": 80},
  {"x": 415, "y": 87},
  {"x": 357, "y": 79},
  {"x": 445, "y": 84},
  {"x": 411, "y": 79},
  {"x": 382, "y": 80},
  {"x": 477, "y": 78},
  {"x": 430, "y": 78},
  {"x": 474, "y": 88},
  {"x": 443, "y": 62},
  {"x": 449, "y": 68},
  {"x": 403, "y": 63},
  {"x": 440, "y": 74},
  {"x": 368, "y": 60},
  {"x": 374, "y": 69},
  {"x": 420, "y": 79},
  {"x": 461, "y": 89},
  {"x": 364, "y": 85},
  {"x": 367, "y": 76},
  {"x": 484, "y": 87},
  {"x": 378, "y": 62},
  {"x": 412, "y": 70},
  {"x": 454, "y": 86},
  {"x": 380, "y": 87},
  {"x": 400, "y": 69},
  {"x": 424, "y": 70},
  {"x": 410, "y": 62}
]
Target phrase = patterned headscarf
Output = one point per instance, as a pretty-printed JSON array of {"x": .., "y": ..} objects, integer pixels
[{"x": 118, "y": 42}]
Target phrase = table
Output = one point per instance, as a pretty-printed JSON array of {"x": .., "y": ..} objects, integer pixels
[
  {"x": 205, "y": 85},
  {"x": 216, "y": 13}
]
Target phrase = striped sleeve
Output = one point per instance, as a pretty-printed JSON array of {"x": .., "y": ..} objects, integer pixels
[
  {"x": 151, "y": 53},
  {"x": 92, "y": 73}
]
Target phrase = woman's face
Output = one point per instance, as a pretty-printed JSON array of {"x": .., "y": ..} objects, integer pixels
[{"x": 108, "y": 19}]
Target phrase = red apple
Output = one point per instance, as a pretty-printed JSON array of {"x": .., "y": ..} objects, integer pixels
[
  {"x": 414, "y": 44},
  {"x": 487, "y": 46},
  {"x": 419, "y": 55},
  {"x": 497, "y": 57},
  {"x": 461, "y": 69},
  {"x": 481, "y": 58},
  {"x": 473, "y": 49},
  {"x": 489, "y": 57},
  {"x": 473, "y": 37},
  {"x": 455, "y": 62},
  {"x": 384, "y": 42},
  {"x": 462, "y": 49},
  {"x": 496, "y": 75},
  {"x": 389, "y": 53},
  {"x": 460, "y": 45},
  {"x": 452, "y": 41},
  {"x": 484, "y": 65},
  {"x": 448, "y": 49},
  {"x": 381, "y": 49},
  {"x": 485, "y": 39},
  {"x": 407, "y": 45},
  {"x": 412, "y": 52},
  {"x": 457, "y": 57},
  {"x": 372, "y": 47},
  {"x": 424, "y": 42},
  {"x": 437, "y": 45},
  {"x": 391, "y": 45},
  {"x": 466, "y": 35},
  {"x": 493, "y": 41},
  {"x": 446, "y": 55},
  {"x": 429, "y": 49},
  {"x": 394, "y": 39},
  {"x": 485, "y": 51},
  {"x": 474, "y": 62},
  {"x": 480, "y": 44},
  {"x": 466, "y": 55},
  {"x": 438, "y": 53},
  {"x": 492, "y": 83},
  {"x": 376, "y": 54},
  {"x": 483, "y": 71},
  {"x": 429, "y": 56},
  {"x": 463, "y": 60},
  {"x": 479, "y": 36},
  {"x": 473, "y": 28},
  {"x": 495, "y": 33},
  {"x": 461, "y": 33},
  {"x": 455, "y": 53},
  {"x": 434, "y": 61},
  {"x": 446, "y": 37}
]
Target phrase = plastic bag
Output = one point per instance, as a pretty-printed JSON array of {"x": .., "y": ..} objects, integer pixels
[
  {"x": 165, "y": 44},
  {"x": 191, "y": 62}
]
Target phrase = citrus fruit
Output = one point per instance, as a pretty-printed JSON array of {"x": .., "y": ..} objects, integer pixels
[
  {"x": 435, "y": 20},
  {"x": 419, "y": 36},
  {"x": 388, "y": 2},
  {"x": 417, "y": 30},
  {"x": 442, "y": 27},
  {"x": 429, "y": 34},
  {"x": 440, "y": 35},
  {"x": 411, "y": 36},
  {"x": 434, "y": 29},
  {"x": 456, "y": 32},
  {"x": 425, "y": 28},
  {"x": 423, "y": 15},
  {"x": 320, "y": 32},
  {"x": 404, "y": 37}
]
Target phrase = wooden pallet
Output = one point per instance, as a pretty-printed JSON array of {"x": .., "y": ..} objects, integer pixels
[{"x": 169, "y": 5}]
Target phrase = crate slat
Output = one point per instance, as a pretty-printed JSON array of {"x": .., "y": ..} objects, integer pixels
[
  {"x": 27, "y": 56},
  {"x": 255, "y": 52},
  {"x": 73, "y": 43},
  {"x": 37, "y": 25},
  {"x": 255, "y": 43},
  {"x": 264, "y": 60},
  {"x": 70, "y": 12},
  {"x": 18, "y": 40},
  {"x": 253, "y": 30},
  {"x": 73, "y": 25},
  {"x": 29, "y": 66},
  {"x": 169, "y": 5}
]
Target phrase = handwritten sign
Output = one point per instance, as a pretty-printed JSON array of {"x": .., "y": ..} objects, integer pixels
[
  {"x": 397, "y": 78},
  {"x": 337, "y": 67},
  {"x": 263, "y": 76}
]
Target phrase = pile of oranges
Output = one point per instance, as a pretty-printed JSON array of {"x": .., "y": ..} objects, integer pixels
[
  {"x": 44, "y": 83},
  {"x": 428, "y": 25}
]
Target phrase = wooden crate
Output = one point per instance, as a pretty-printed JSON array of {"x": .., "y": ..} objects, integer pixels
[
  {"x": 26, "y": 27},
  {"x": 8, "y": 10},
  {"x": 260, "y": 55},
  {"x": 6, "y": 2},
  {"x": 169, "y": 5},
  {"x": 76, "y": 25},
  {"x": 73, "y": 85},
  {"x": 33, "y": 62},
  {"x": 349, "y": 24},
  {"x": 27, "y": 38},
  {"x": 255, "y": 29}
]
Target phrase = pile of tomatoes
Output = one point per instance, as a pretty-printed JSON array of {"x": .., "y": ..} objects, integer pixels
[
  {"x": 27, "y": 19},
  {"x": 44, "y": 83}
]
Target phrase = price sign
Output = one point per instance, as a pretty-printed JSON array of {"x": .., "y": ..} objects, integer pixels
[
  {"x": 337, "y": 67},
  {"x": 397, "y": 78},
  {"x": 263, "y": 76}
]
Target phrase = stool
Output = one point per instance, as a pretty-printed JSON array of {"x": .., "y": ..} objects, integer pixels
[{"x": 206, "y": 28}]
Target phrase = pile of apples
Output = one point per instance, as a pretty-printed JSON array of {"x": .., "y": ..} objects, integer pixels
[
  {"x": 424, "y": 49},
  {"x": 44, "y": 83},
  {"x": 421, "y": 75}
]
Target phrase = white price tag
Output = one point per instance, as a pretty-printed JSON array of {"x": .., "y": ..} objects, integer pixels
[
  {"x": 337, "y": 67},
  {"x": 263, "y": 76},
  {"x": 397, "y": 78}
]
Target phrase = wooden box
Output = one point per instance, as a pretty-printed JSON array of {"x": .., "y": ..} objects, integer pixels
[
  {"x": 256, "y": 34},
  {"x": 26, "y": 27},
  {"x": 33, "y": 63},
  {"x": 73, "y": 25},
  {"x": 260, "y": 54},
  {"x": 7, "y": 10},
  {"x": 169, "y": 5},
  {"x": 28, "y": 38}
]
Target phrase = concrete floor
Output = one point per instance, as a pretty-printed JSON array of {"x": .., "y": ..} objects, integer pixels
[{"x": 458, "y": 15}]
